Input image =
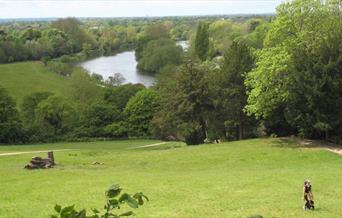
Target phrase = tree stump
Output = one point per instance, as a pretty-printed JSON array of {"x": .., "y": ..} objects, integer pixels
[
  {"x": 51, "y": 157},
  {"x": 42, "y": 163}
]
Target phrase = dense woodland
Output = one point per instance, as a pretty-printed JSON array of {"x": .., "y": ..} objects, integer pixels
[{"x": 241, "y": 77}]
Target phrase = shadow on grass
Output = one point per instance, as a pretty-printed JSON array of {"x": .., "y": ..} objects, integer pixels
[{"x": 295, "y": 142}]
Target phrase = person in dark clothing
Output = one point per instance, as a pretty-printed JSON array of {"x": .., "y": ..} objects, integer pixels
[{"x": 308, "y": 196}]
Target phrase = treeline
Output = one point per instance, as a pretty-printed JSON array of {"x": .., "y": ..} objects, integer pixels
[
  {"x": 95, "y": 110},
  {"x": 291, "y": 83},
  {"x": 236, "y": 80}
]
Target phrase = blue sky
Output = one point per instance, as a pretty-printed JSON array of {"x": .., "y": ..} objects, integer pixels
[{"x": 130, "y": 8}]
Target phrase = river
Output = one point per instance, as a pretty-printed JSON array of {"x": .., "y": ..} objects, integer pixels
[{"x": 123, "y": 63}]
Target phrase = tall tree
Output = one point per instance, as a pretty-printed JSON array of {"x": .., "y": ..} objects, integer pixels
[
  {"x": 202, "y": 41},
  {"x": 10, "y": 125},
  {"x": 190, "y": 103},
  {"x": 238, "y": 60},
  {"x": 299, "y": 70}
]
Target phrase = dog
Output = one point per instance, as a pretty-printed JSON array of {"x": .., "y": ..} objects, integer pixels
[{"x": 309, "y": 205}]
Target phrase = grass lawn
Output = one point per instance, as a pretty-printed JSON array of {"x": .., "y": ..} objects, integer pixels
[
  {"x": 23, "y": 78},
  {"x": 236, "y": 179}
]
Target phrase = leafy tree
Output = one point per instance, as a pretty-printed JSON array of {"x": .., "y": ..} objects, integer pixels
[
  {"x": 55, "y": 116},
  {"x": 84, "y": 88},
  {"x": 59, "y": 41},
  {"x": 299, "y": 69},
  {"x": 164, "y": 121},
  {"x": 139, "y": 112},
  {"x": 256, "y": 38},
  {"x": 202, "y": 41},
  {"x": 29, "y": 106},
  {"x": 159, "y": 53},
  {"x": 231, "y": 92},
  {"x": 118, "y": 96},
  {"x": 72, "y": 27},
  {"x": 184, "y": 111},
  {"x": 31, "y": 34},
  {"x": 97, "y": 116},
  {"x": 10, "y": 124}
]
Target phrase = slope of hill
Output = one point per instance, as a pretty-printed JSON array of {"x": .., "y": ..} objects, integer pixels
[
  {"x": 232, "y": 179},
  {"x": 23, "y": 78}
]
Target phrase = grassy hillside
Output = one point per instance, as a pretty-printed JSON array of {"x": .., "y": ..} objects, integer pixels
[
  {"x": 23, "y": 78},
  {"x": 237, "y": 179}
]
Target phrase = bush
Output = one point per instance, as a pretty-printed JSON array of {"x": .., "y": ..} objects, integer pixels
[{"x": 139, "y": 112}]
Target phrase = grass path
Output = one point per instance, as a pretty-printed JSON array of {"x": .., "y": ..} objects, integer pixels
[
  {"x": 148, "y": 146},
  {"x": 32, "y": 152},
  {"x": 44, "y": 151}
]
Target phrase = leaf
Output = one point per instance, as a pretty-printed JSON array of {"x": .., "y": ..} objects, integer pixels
[
  {"x": 140, "y": 197},
  {"x": 129, "y": 200},
  {"x": 67, "y": 210},
  {"x": 114, "y": 203},
  {"x": 132, "y": 202},
  {"x": 113, "y": 191},
  {"x": 129, "y": 213},
  {"x": 81, "y": 214},
  {"x": 54, "y": 216},
  {"x": 95, "y": 211},
  {"x": 123, "y": 197},
  {"x": 58, "y": 208}
]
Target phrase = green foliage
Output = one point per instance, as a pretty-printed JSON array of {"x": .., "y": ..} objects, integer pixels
[
  {"x": 63, "y": 69},
  {"x": 22, "y": 79},
  {"x": 78, "y": 36},
  {"x": 97, "y": 117},
  {"x": 115, "y": 200},
  {"x": 256, "y": 38},
  {"x": 28, "y": 115},
  {"x": 10, "y": 125},
  {"x": 229, "y": 93},
  {"x": 298, "y": 71},
  {"x": 139, "y": 112},
  {"x": 84, "y": 88},
  {"x": 29, "y": 105},
  {"x": 202, "y": 41},
  {"x": 183, "y": 113},
  {"x": 159, "y": 53},
  {"x": 119, "y": 96},
  {"x": 55, "y": 115}
]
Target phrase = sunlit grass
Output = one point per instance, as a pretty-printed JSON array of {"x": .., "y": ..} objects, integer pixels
[
  {"x": 23, "y": 78},
  {"x": 237, "y": 179}
]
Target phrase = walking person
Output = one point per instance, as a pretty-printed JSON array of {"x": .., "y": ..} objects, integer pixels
[{"x": 308, "y": 196}]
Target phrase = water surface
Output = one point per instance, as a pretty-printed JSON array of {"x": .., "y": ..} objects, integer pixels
[{"x": 123, "y": 63}]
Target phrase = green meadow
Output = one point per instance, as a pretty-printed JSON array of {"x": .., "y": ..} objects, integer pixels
[
  {"x": 233, "y": 179},
  {"x": 23, "y": 78}
]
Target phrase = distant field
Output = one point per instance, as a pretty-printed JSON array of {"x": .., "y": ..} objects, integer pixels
[
  {"x": 23, "y": 78},
  {"x": 237, "y": 179}
]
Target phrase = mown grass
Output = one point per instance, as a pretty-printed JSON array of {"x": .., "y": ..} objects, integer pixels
[
  {"x": 236, "y": 179},
  {"x": 24, "y": 78}
]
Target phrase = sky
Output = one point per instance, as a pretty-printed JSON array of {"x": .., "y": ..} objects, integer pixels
[{"x": 131, "y": 8}]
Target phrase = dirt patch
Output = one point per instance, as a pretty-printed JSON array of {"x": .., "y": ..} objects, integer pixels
[{"x": 317, "y": 144}]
